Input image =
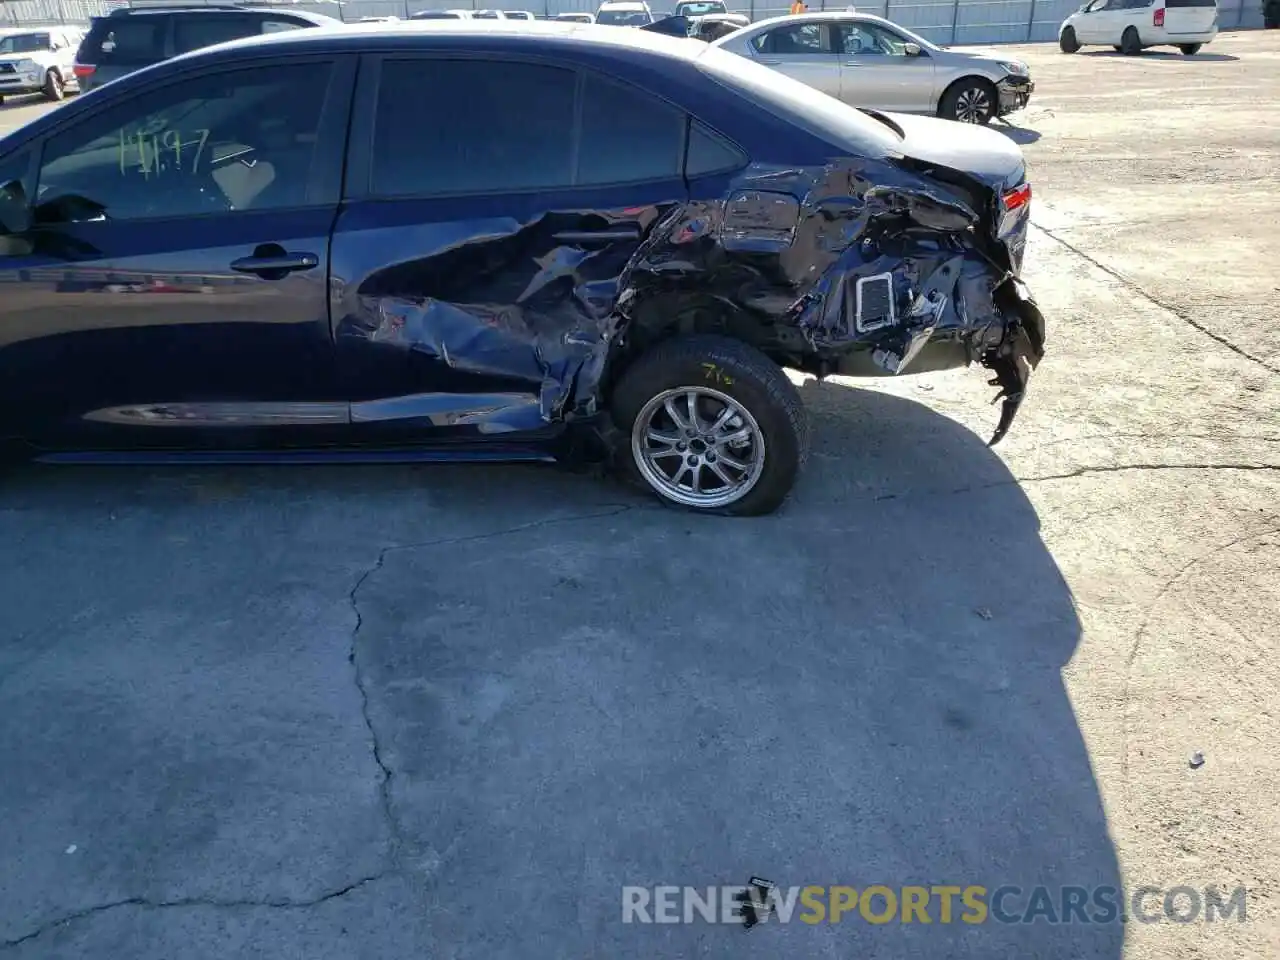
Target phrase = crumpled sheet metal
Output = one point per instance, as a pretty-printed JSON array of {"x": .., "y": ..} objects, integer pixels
[{"x": 779, "y": 256}]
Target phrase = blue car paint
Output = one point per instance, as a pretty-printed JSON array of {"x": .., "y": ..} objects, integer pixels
[{"x": 405, "y": 322}]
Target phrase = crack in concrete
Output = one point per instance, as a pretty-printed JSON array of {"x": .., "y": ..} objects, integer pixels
[
  {"x": 1181, "y": 315},
  {"x": 384, "y": 785},
  {"x": 607, "y": 510},
  {"x": 1085, "y": 471},
  {"x": 212, "y": 902},
  {"x": 1141, "y": 635}
]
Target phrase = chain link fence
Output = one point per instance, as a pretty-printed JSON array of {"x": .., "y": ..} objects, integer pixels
[{"x": 942, "y": 21}]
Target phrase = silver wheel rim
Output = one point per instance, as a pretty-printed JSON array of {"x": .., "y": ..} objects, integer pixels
[
  {"x": 698, "y": 447},
  {"x": 973, "y": 105}
]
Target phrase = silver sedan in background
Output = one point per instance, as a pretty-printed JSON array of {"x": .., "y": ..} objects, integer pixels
[{"x": 867, "y": 61}]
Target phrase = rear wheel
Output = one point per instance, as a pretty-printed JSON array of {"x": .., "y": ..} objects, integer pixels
[
  {"x": 970, "y": 100},
  {"x": 1190, "y": 49},
  {"x": 1130, "y": 42},
  {"x": 1067, "y": 42},
  {"x": 712, "y": 425},
  {"x": 54, "y": 89}
]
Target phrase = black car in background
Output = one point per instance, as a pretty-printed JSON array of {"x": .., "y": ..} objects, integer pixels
[
  {"x": 131, "y": 38},
  {"x": 309, "y": 246}
]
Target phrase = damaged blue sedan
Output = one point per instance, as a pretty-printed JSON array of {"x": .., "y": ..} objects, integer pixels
[{"x": 472, "y": 241}]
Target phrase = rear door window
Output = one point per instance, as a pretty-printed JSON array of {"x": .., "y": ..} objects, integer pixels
[
  {"x": 194, "y": 31},
  {"x": 511, "y": 132},
  {"x": 127, "y": 41},
  {"x": 794, "y": 39},
  {"x": 627, "y": 135}
]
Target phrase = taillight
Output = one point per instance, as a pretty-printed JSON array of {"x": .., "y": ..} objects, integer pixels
[
  {"x": 1157, "y": 18},
  {"x": 82, "y": 70},
  {"x": 1017, "y": 198}
]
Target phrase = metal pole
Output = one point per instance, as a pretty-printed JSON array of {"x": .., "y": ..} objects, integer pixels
[
  {"x": 955, "y": 20},
  {"x": 1031, "y": 20}
]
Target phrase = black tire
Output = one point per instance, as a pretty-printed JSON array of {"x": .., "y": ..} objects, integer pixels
[
  {"x": 1190, "y": 49},
  {"x": 1068, "y": 42},
  {"x": 1130, "y": 42},
  {"x": 1117, "y": 48},
  {"x": 54, "y": 89},
  {"x": 963, "y": 98},
  {"x": 740, "y": 372}
]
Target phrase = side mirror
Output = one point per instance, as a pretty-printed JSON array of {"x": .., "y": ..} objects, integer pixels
[
  {"x": 911, "y": 49},
  {"x": 15, "y": 213}
]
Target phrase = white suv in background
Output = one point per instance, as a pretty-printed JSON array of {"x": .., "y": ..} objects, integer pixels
[
  {"x": 39, "y": 61},
  {"x": 1133, "y": 25}
]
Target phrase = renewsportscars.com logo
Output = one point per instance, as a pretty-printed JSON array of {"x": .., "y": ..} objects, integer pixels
[{"x": 761, "y": 901}]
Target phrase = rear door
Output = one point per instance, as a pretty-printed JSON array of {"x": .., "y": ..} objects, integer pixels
[
  {"x": 479, "y": 255},
  {"x": 804, "y": 50},
  {"x": 174, "y": 281},
  {"x": 875, "y": 70},
  {"x": 1187, "y": 17}
]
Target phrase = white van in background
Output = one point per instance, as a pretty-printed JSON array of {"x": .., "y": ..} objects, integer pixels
[{"x": 1133, "y": 25}]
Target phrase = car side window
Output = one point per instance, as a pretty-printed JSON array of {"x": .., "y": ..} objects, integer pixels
[
  {"x": 709, "y": 153},
  {"x": 627, "y": 135},
  {"x": 275, "y": 25},
  {"x": 134, "y": 40},
  {"x": 793, "y": 39},
  {"x": 192, "y": 32},
  {"x": 865, "y": 39},
  {"x": 222, "y": 142},
  {"x": 512, "y": 131}
]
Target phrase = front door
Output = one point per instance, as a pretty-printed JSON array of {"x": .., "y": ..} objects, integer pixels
[
  {"x": 876, "y": 70},
  {"x": 480, "y": 257},
  {"x": 1096, "y": 22},
  {"x": 173, "y": 282}
]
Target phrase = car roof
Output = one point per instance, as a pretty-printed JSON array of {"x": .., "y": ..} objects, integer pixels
[
  {"x": 316, "y": 18},
  {"x": 357, "y": 36},
  {"x": 828, "y": 15},
  {"x": 623, "y": 5}
]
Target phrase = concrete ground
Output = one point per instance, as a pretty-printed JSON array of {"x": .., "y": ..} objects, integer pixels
[{"x": 398, "y": 712}]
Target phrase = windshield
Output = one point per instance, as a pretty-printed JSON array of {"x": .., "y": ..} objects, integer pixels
[
  {"x": 700, "y": 8},
  {"x": 825, "y": 117},
  {"x": 624, "y": 18},
  {"x": 24, "y": 43}
]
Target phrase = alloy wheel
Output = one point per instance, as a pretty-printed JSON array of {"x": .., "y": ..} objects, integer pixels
[
  {"x": 698, "y": 447},
  {"x": 973, "y": 105}
]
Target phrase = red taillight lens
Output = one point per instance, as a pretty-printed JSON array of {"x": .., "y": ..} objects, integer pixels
[
  {"x": 83, "y": 69},
  {"x": 1018, "y": 198},
  {"x": 1157, "y": 18}
]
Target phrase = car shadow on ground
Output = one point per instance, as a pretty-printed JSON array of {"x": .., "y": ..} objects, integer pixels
[
  {"x": 574, "y": 689},
  {"x": 1019, "y": 135},
  {"x": 1164, "y": 55}
]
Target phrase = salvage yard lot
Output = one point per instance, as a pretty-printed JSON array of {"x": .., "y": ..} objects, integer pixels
[{"x": 451, "y": 712}]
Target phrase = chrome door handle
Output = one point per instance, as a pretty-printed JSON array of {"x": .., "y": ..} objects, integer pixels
[{"x": 286, "y": 263}]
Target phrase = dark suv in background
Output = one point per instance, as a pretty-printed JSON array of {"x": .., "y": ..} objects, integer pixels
[{"x": 131, "y": 38}]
